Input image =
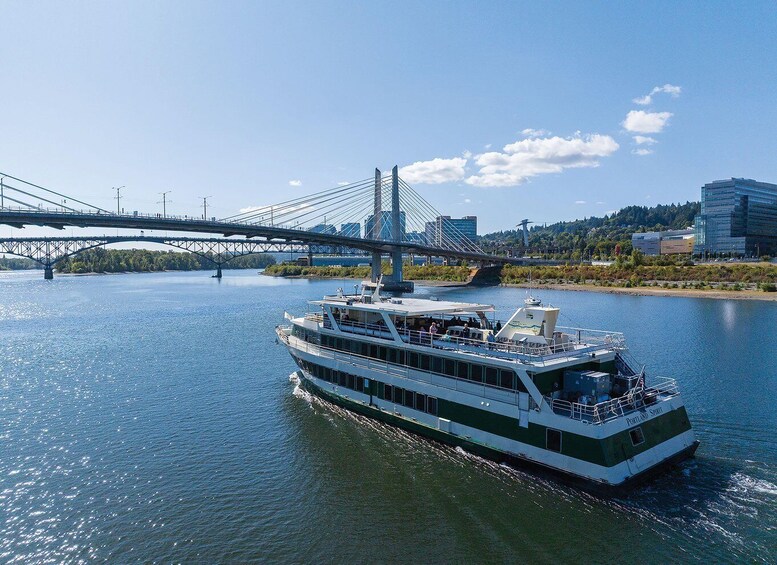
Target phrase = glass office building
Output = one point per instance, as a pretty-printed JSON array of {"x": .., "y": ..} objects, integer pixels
[
  {"x": 451, "y": 230},
  {"x": 738, "y": 217}
]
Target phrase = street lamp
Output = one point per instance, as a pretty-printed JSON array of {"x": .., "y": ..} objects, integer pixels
[
  {"x": 118, "y": 198},
  {"x": 205, "y": 207},
  {"x": 164, "y": 202}
]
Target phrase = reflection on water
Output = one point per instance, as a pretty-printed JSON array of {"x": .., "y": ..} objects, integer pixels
[{"x": 152, "y": 418}]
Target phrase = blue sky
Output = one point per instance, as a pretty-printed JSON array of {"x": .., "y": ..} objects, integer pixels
[{"x": 504, "y": 110}]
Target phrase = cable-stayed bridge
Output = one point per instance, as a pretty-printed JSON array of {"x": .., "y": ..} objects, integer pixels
[{"x": 380, "y": 215}]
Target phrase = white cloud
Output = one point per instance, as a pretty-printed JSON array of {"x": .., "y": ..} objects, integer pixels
[
  {"x": 536, "y": 156},
  {"x": 639, "y": 121},
  {"x": 644, "y": 140},
  {"x": 672, "y": 90},
  {"x": 642, "y": 152},
  {"x": 580, "y": 202},
  {"x": 600, "y": 202},
  {"x": 295, "y": 182},
  {"x": 436, "y": 171},
  {"x": 487, "y": 146},
  {"x": 531, "y": 132},
  {"x": 467, "y": 201},
  {"x": 466, "y": 153}
]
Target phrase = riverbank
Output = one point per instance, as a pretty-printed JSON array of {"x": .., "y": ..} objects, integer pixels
[
  {"x": 719, "y": 282},
  {"x": 747, "y": 294}
]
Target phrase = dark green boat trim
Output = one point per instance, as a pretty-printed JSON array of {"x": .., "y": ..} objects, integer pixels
[{"x": 494, "y": 454}]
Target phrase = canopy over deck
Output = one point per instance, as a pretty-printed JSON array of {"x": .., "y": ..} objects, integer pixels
[{"x": 405, "y": 306}]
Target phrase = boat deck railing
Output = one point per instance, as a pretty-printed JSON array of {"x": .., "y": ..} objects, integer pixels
[
  {"x": 661, "y": 389},
  {"x": 486, "y": 391},
  {"x": 581, "y": 342}
]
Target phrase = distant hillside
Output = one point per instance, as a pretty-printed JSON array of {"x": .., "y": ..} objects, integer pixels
[{"x": 595, "y": 237}]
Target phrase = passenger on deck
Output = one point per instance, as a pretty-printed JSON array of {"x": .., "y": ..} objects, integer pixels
[
  {"x": 447, "y": 336},
  {"x": 433, "y": 331},
  {"x": 465, "y": 331},
  {"x": 498, "y": 326},
  {"x": 424, "y": 335}
]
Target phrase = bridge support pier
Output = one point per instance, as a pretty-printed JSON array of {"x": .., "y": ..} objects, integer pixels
[
  {"x": 48, "y": 272},
  {"x": 218, "y": 271},
  {"x": 310, "y": 257},
  {"x": 377, "y": 259}
]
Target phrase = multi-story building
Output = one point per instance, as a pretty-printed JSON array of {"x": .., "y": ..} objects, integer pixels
[
  {"x": 351, "y": 229},
  {"x": 371, "y": 231},
  {"x": 664, "y": 242},
  {"x": 738, "y": 217},
  {"x": 452, "y": 230}
]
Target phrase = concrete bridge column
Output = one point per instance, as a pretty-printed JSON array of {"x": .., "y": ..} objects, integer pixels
[
  {"x": 218, "y": 270},
  {"x": 310, "y": 257},
  {"x": 48, "y": 272},
  {"x": 377, "y": 258}
]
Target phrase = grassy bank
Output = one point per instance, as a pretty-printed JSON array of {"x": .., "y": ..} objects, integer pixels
[
  {"x": 626, "y": 274},
  {"x": 411, "y": 272}
]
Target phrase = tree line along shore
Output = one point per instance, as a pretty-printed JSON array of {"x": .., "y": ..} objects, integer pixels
[{"x": 138, "y": 261}]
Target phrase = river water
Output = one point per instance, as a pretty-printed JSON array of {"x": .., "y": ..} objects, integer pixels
[{"x": 152, "y": 417}]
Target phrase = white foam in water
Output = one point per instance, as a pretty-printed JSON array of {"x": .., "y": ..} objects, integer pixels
[
  {"x": 746, "y": 483},
  {"x": 298, "y": 391}
]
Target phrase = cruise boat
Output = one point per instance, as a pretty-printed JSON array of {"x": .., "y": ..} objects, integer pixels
[{"x": 523, "y": 391}]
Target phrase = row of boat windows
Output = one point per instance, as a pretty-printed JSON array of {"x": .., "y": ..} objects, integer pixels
[
  {"x": 395, "y": 394},
  {"x": 493, "y": 376}
]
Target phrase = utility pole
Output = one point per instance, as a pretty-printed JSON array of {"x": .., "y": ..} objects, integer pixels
[
  {"x": 205, "y": 207},
  {"x": 164, "y": 202},
  {"x": 118, "y": 199}
]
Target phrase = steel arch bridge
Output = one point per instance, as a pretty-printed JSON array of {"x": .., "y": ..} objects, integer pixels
[{"x": 47, "y": 251}]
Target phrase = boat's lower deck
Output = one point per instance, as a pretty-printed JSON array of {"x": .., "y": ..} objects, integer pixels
[{"x": 424, "y": 418}]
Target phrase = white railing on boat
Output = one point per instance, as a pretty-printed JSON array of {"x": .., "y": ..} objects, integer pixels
[
  {"x": 661, "y": 388},
  {"x": 582, "y": 342},
  {"x": 488, "y": 392}
]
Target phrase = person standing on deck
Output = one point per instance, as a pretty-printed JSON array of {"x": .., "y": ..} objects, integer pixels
[{"x": 432, "y": 332}]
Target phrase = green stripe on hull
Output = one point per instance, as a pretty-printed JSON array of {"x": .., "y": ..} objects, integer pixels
[
  {"x": 605, "y": 452},
  {"x": 415, "y": 427}
]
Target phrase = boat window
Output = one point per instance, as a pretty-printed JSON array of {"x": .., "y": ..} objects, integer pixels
[
  {"x": 366, "y": 386},
  {"x": 431, "y": 405},
  {"x": 476, "y": 373},
  {"x": 450, "y": 367},
  {"x": 341, "y": 380},
  {"x": 436, "y": 364},
  {"x": 398, "y": 394},
  {"x": 420, "y": 402},
  {"x": 553, "y": 440},
  {"x": 360, "y": 383},
  {"x": 388, "y": 392},
  {"x": 409, "y": 399},
  {"x": 392, "y": 355},
  {"x": 463, "y": 372},
  {"x": 491, "y": 376},
  {"x": 373, "y": 351},
  {"x": 506, "y": 378},
  {"x": 338, "y": 343},
  {"x": 351, "y": 382},
  {"x": 400, "y": 357},
  {"x": 412, "y": 359},
  {"x": 382, "y": 354},
  {"x": 327, "y": 374},
  {"x": 637, "y": 437},
  {"x": 424, "y": 362}
]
